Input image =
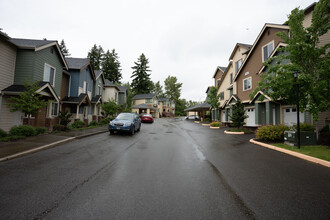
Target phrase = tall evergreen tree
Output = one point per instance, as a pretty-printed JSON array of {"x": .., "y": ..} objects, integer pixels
[
  {"x": 238, "y": 114},
  {"x": 64, "y": 50},
  {"x": 158, "y": 90},
  {"x": 111, "y": 66},
  {"x": 172, "y": 88},
  {"x": 141, "y": 83},
  {"x": 95, "y": 56}
]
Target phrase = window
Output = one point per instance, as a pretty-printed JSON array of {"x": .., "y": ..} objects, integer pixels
[
  {"x": 218, "y": 82},
  {"x": 149, "y": 101},
  {"x": 222, "y": 95},
  {"x": 100, "y": 93},
  {"x": 267, "y": 50},
  {"x": 133, "y": 102},
  {"x": 238, "y": 64},
  {"x": 231, "y": 78},
  {"x": 230, "y": 92},
  {"x": 54, "y": 109},
  {"x": 247, "y": 84},
  {"x": 49, "y": 74},
  {"x": 85, "y": 86}
]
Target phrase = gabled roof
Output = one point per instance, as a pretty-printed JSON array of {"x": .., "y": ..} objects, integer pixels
[
  {"x": 108, "y": 83},
  {"x": 272, "y": 54},
  {"x": 199, "y": 107},
  {"x": 267, "y": 25},
  {"x": 77, "y": 100},
  {"x": 142, "y": 106},
  {"x": 144, "y": 96},
  {"x": 247, "y": 46},
  {"x": 219, "y": 68},
  {"x": 79, "y": 64},
  {"x": 96, "y": 99},
  {"x": 17, "y": 89},
  {"x": 232, "y": 97},
  {"x": 37, "y": 45},
  {"x": 99, "y": 73},
  {"x": 163, "y": 99},
  {"x": 259, "y": 93},
  {"x": 122, "y": 88}
]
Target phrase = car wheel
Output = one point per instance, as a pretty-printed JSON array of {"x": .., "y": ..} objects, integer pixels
[{"x": 133, "y": 130}]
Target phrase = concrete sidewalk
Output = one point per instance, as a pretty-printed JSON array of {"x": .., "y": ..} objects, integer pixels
[{"x": 10, "y": 150}]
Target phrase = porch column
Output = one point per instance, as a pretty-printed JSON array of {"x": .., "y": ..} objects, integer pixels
[
  {"x": 269, "y": 113},
  {"x": 77, "y": 112},
  {"x": 257, "y": 114}
]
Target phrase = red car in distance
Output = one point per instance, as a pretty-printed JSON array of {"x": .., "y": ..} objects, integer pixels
[{"x": 147, "y": 118}]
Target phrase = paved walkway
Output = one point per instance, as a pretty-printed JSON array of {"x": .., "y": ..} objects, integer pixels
[{"x": 10, "y": 150}]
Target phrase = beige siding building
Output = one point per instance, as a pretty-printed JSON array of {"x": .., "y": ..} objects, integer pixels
[{"x": 7, "y": 66}]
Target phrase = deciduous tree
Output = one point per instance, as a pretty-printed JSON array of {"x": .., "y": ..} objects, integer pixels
[
  {"x": 28, "y": 101},
  {"x": 172, "y": 88},
  {"x": 305, "y": 56}
]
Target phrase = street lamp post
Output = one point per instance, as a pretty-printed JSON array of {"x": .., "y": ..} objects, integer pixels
[{"x": 297, "y": 99}]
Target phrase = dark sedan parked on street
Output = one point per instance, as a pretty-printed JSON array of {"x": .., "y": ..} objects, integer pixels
[{"x": 125, "y": 122}]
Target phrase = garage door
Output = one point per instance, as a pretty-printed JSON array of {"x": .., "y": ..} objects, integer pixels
[
  {"x": 290, "y": 116},
  {"x": 251, "y": 119}
]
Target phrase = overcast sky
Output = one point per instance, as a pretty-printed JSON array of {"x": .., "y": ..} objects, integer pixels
[{"x": 183, "y": 38}]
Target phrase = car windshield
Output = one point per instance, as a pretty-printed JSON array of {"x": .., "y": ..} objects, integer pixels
[
  {"x": 125, "y": 117},
  {"x": 148, "y": 115}
]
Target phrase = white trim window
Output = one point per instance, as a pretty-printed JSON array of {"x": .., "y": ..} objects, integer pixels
[
  {"x": 267, "y": 50},
  {"x": 85, "y": 86},
  {"x": 247, "y": 85},
  {"x": 231, "y": 79},
  {"x": 49, "y": 74},
  {"x": 54, "y": 109},
  {"x": 238, "y": 64}
]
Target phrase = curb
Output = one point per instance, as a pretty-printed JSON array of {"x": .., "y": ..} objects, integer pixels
[
  {"x": 231, "y": 132},
  {"x": 20, "y": 154},
  {"x": 292, "y": 153},
  {"x": 214, "y": 127}
]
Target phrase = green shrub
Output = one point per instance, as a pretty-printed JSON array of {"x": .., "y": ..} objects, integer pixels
[
  {"x": 78, "y": 124},
  {"x": 216, "y": 124},
  {"x": 272, "y": 132},
  {"x": 104, "y": 121},
  {"x": 65, "y": 118},
  {"x": 41, "y": 130},
  {"x": 93, "y": 123},
  {"x": 325, "y": 129},
  {"x": 304, "y": 127},
  {"x": 23, "y": 130},
  {"x": 11, "y": 138},
  {"x": 59, "y": 127},
  {"x": 3, "y": 133}
]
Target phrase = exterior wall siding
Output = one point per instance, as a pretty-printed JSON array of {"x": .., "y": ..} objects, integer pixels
[
  {"x": 109, "y": 94},
  {"x": 74, "y": 83},
  {"x": 85, "y": 75},
  {"x": 8, "y": 119},
  {"x": 7, "y": 64},
  {"x": 255, "y": 62},
  {"x": 24, "y": 66},
  {"x": 50, "y": 56}
]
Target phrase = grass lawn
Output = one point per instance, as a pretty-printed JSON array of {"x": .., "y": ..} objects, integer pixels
[
  {"x": 246, "y": 131},
  {"x": 318, "y": 151}
]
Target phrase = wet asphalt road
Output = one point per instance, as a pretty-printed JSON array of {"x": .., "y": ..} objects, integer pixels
[{"x": 171, "y": 169}]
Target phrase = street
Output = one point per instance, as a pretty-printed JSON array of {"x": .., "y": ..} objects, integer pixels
[{"x": 171, "y": 169}]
